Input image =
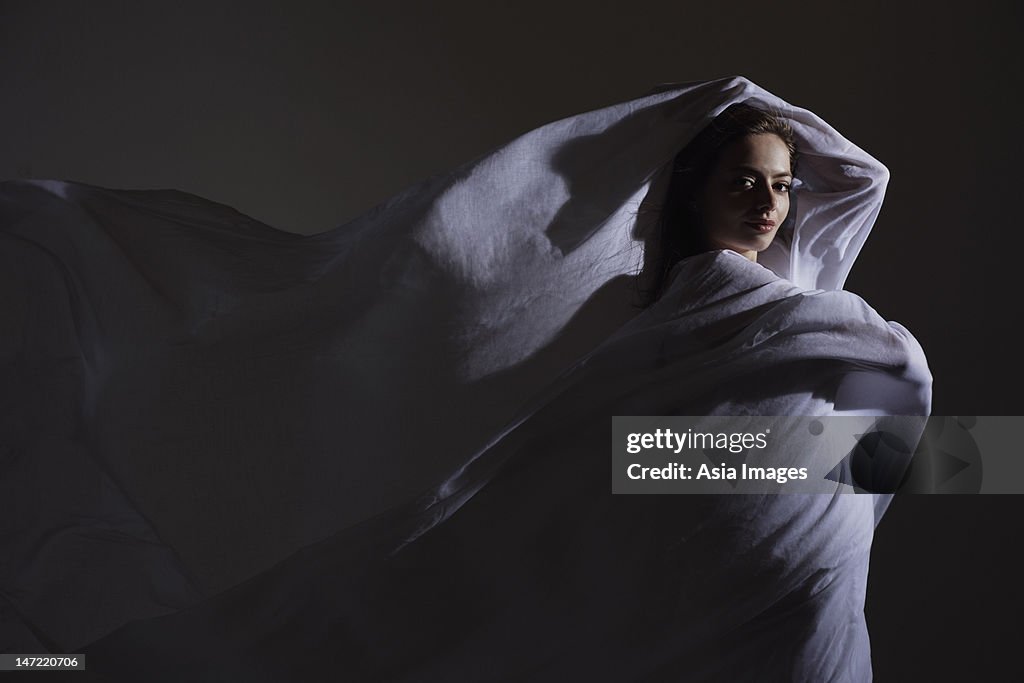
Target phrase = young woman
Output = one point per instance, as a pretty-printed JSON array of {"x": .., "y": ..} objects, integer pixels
[
  {"x": 729, "y": 189},
  {"x": 380, "y": 453}
]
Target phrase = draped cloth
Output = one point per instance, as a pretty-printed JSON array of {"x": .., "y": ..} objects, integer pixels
[{"x": 236, "y": 453}]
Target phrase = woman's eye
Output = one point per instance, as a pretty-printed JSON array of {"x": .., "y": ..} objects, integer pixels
[
  {"x": 745, "y": 183},
  {"x": 782, "y": 187}
]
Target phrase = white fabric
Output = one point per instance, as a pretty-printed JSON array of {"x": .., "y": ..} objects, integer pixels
[
  {"x": 229, "y": 393},
  {"x": 521, "y": 566}
]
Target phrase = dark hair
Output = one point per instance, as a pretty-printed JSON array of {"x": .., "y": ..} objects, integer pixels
[{"x": 679, "y": 233}]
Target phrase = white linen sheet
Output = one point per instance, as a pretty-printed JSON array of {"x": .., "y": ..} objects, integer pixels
[{"x": 193, "y": 398}]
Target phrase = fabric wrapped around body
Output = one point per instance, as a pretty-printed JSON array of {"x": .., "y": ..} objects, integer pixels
[{"x": 382, "y": 450}]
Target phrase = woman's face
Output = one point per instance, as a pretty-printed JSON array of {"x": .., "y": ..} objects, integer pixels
[{"x": 746, "y": 197}]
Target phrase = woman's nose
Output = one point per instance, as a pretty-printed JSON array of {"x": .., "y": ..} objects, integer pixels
[{"x": 766, "y": 200}]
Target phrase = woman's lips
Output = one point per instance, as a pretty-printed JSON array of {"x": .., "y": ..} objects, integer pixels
[{"x": 761, "y": 226}]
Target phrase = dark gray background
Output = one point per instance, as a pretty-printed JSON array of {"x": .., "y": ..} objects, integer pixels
[{"x": 305, "y": 116}]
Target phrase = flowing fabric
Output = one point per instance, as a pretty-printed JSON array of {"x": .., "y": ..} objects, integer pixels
[{"x": 217, "y": 436}]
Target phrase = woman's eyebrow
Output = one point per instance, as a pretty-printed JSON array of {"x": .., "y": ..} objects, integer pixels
[{"x": 757, "y": 171}]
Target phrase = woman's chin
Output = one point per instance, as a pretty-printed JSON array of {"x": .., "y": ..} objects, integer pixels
[{"x": 749, "y": 247}]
